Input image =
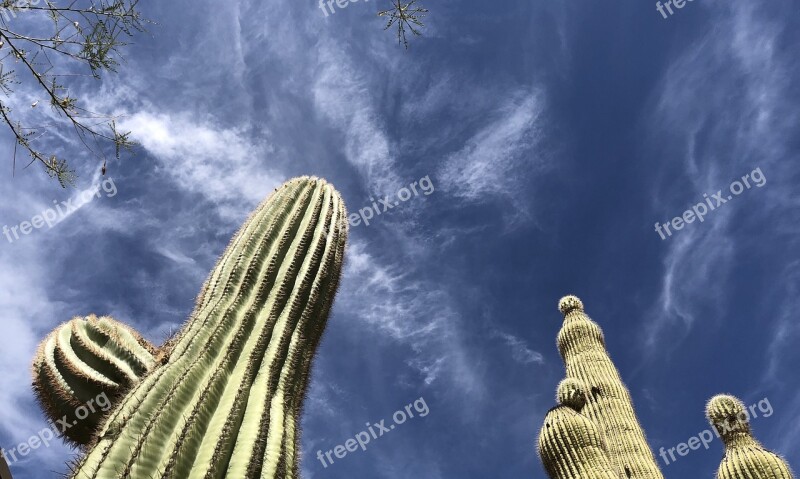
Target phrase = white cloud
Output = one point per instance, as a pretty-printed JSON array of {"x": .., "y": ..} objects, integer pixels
[
  {"x": 222, "y": 164},
  {"x": 407, "y": 310},
  {"x": 495, "y": 160},
  {"x": 519, "y": 349},
  {"x": 28, "y": 312},
  {"x": 342, "y": 94},
  {"x": 786, "y": 331},
  {"x": 722, "y": 131},
  {"x": 696, "y": 260}
]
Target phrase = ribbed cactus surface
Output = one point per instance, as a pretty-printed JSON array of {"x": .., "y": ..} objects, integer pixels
[
  {"x": 745, "y": 458},
  {"x": 84, "y": 361},
  {"x": 570, "y": 445},
  {"x": 609, "y": 404},
  {"x": 593, "y": 433},
  {"x": 227, "y": 400}
]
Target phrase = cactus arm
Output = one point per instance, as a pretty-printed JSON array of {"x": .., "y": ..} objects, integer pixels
[
  {"x": 125, "y": 344},
  {"x": 77, "y": 363},
  {"x": 570, "y": 445},
  {"x": 94, "y": 350},
  {"x": 84, "y": 381},
  {"x": 52, "y": 390}
]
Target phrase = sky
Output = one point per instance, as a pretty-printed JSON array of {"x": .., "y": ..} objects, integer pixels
[{"x": 552, "y": 137}]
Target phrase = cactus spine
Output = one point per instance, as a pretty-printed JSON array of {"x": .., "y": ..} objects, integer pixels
[
  {"x": 570, "y": 445},
  {"x": 609, "y": 405},
  {"x": 745, "y": 458},
  {"x": 227, "y": 400},
  {"x": 81, "y": 361}
]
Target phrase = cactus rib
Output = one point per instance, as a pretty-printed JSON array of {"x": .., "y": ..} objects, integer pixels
[
  {"x": 82, "y": 360},
  {"x": 227, "y": 400}
]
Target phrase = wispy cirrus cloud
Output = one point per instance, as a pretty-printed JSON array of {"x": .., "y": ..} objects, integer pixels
[
  {"x": 401, "y": 305},
  {"x": 495, "y": 161},
  {"x": 28, "y": 311},
  {"x": 225, "y": 165},
  {"x": 719, "y": 134},
  {"x": 519, "y": 349},
  {"x": 782, "y": 351},
  {"x": 341, "y": 94}
]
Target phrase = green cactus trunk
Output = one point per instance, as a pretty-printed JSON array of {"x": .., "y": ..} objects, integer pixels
[
  {"x": 83, "y": 362},
  {"x": 226, "y": 403},
  {"x": 609, "y": 405}
]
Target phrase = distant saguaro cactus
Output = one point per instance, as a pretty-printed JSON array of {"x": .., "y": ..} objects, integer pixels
[
  {"x": 745, "y": 458},
  {"x": 609, "y": 405},
  {"x": 593, "y": 433},
  {"x": 226, "y": 401},
  {"x": 83, "y": 360}
]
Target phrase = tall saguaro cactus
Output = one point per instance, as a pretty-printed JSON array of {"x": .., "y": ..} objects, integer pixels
[
  {"x": 227, "y": 400},
  {"x": 582, "y": 347},
  {"x": 85, "y": 360}
]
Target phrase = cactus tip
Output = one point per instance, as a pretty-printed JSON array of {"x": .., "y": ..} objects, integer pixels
[
  {"x": 572, "y": 393},
  {"x": 724, "y": 406},
  {"x": 569, "y": 303},
  {"x": 727, "y": 414}
]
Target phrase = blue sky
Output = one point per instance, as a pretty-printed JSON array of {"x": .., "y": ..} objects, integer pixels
[{"x": 555, "y": 137}]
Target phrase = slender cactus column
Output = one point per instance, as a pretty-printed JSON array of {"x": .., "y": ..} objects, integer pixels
[
  {"x": 609, "y": 405},
  {"x": 226, "y": 403},
  {"x": 745, "y": 458}
]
